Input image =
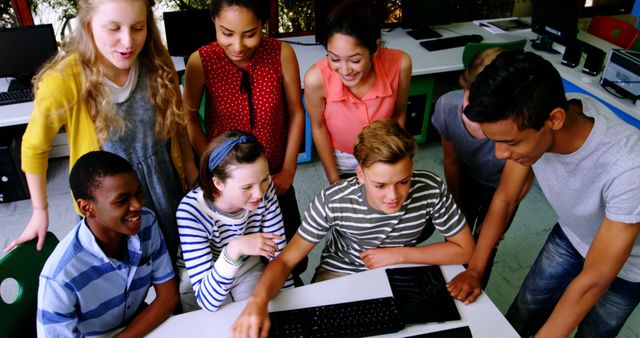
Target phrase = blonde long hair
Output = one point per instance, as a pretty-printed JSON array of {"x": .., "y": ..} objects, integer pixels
[{"x": 163, "y": 85}]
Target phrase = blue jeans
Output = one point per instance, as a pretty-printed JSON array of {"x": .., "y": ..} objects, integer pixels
[{"x": 558, "y": 263}]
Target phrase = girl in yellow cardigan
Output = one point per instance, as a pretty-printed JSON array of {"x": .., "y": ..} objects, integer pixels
[{"x": 114, "y": 87}]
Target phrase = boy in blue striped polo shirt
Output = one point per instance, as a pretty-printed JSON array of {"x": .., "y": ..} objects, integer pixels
[{"x": 96, "y": 280}]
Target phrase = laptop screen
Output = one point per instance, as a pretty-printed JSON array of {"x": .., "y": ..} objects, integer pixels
[{"x": 421, "y": 294}]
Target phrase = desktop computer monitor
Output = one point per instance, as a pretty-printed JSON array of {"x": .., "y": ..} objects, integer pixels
[
  {"x": 24, "y": 50},
  {"x": 187, "y": 31},
  {"x": 555, "y": 21},
  {"x": 421, "y": 15}
]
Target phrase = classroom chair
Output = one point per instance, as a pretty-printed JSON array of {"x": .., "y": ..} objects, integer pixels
[
  {"x": 613, "y": 30},
  {"x": 473, "y": 48},
  {"x": 23, "y": 264}
]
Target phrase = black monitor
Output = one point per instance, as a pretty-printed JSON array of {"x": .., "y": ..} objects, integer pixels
[
  {"x": 187, "y": 31},
  {"x": 24, "y": 50},
  {"x": 606, "y": 7},
  {"x": 421, "y": 15},
  {"x": 555, "y": 21}
]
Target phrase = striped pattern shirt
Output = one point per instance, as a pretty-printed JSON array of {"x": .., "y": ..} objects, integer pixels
[
  {"x": 205, "y": 232},
  {"x": 83, "y": 292},
  {"x": 342, "y": 215}
]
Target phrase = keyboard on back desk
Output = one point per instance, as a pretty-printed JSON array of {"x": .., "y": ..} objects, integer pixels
[
  {"x": 450, "y": 42},
  {"x": 16, "y": 96},
  {"x": 352, "y": 319}
]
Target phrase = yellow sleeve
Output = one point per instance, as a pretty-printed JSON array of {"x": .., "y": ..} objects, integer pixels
[{"x": 56, "y": 97}]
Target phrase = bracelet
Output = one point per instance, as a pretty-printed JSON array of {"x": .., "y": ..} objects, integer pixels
[{"x": 230, "y": 260}]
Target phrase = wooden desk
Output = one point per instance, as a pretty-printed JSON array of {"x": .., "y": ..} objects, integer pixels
[{"x": 483, "y": 317}]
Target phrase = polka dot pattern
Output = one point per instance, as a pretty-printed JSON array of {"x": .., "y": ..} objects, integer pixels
[{"x": 228, "y": 108}]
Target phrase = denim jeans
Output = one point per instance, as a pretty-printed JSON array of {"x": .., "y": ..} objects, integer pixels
[{"x": 558, "y": 263}]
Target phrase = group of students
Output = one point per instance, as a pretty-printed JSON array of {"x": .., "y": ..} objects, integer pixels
[{"x": 229, "y": 229}]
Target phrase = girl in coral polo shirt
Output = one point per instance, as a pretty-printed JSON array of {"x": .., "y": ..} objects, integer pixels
[{"x": 357, "y": 83}]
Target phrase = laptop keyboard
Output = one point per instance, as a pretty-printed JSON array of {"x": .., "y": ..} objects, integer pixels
[
  {"x": 352, "y": 319},
  {"x": 16, "y": 96}
]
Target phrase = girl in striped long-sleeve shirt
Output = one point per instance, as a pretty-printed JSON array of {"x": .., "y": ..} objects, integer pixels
[{"x": 227, "y": 223}]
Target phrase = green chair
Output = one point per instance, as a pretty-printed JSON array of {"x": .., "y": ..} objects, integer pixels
[
  {"x": 23, "y": 264},
  {"x": 473, "y": 48},
  {"x": 636, "y": 45}
]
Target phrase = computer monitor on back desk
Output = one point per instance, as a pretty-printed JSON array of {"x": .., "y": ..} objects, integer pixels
[
  {"x": 555, "y": 21},
  {"x": 187, "y": 31},
  {"x": 420, "y": 16},
  {"x": 24, "y": 50}
]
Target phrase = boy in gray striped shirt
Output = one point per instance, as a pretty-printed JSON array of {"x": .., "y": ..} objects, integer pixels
[{"x": 369, "y": 221}]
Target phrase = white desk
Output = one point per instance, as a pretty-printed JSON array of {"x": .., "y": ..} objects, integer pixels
[
  {"x": 482, "y": 316},
  {"x": 13, "y": 114}
]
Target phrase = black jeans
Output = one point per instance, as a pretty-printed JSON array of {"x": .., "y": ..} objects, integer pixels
[{"x": 291, "y": 220}]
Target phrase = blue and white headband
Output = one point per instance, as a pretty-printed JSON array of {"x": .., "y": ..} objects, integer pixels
[{"x": 218, "y": 154}]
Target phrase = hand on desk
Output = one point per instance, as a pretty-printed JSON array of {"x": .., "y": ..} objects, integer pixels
[
  {"x": 466, "y": 286},
  {"x": 253, "y": 321},
  {"x": 36, "y": 228}
]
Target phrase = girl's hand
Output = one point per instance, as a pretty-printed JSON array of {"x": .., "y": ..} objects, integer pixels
[
  {"x": 36, "y": 228},
  {"x": 258, "y": 244},
  {"x": 283, "y": 181}
]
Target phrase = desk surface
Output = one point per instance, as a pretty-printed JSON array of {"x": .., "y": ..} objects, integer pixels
[
  {"x": 13, "y": 114},
  {"x": 424, "y": 63},
  {"x": 483, "y": 317}
]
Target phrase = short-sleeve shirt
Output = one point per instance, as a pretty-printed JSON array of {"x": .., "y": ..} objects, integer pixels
[
  {"x": 477, "y": 156},
  {"x": 341, "y": 214},
  {"x": 83, "y": 292},
  {"x": 227, "y": 105},
  {"x": 345, "y": 114},
  {"x": 601, "y": 179}
]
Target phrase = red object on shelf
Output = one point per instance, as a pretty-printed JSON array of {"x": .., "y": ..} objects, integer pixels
[{"x": 613, "y": 30}]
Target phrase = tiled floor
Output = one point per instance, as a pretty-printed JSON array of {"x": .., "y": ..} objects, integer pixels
[{"x": 515, "y": 255}]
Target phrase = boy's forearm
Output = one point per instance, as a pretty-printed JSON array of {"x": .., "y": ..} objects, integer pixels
[
  {"x": 157, "y": 312},
  {"x": 273, "y": 278},
  {"x": 491, "y": 231},
  {"x": 579, "y": 297},
  {"x": 442, "y": 253}
]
